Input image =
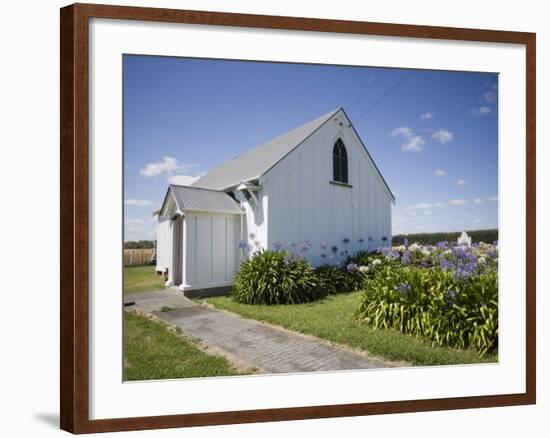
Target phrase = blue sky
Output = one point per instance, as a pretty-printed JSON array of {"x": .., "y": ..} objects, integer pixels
[{"x": 433, "y": 134}]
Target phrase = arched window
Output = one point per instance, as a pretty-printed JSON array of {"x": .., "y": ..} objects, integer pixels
[{"x": 340, "y": 162}]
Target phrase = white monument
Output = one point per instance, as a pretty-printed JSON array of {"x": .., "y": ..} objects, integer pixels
[{"x": 464, "y": 239}]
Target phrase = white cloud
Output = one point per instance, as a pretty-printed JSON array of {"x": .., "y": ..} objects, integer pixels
[
  {"x": 481, "y": 111},
  {"x": 404, "y": 131},
  {"x": 493, "y": 198},
  {"x": 426, "y": 205},
  {"x": 134, "y": 221},
  {"x": 427, "y": 212},
  {"x": 457, "y": 202},
  {"x": 167, "y": 166},
  {"x": 421, "y": 205},
  {"x": 461, "y": 182},
  {"x": 442, "y": 136},
  {"x": 488, "y": 97},
  {"x": 183, "y": 180},
  {"x": 477, "y": 221},
  {"x": 138, "y": 202},
  {"x": 427, "y": 115},
  {"x": 413, "y": 142},
  {"x": 419, "y": 227},
  {"x": 440, "y": 172}
]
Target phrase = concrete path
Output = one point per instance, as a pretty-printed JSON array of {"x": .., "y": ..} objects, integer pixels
[{"x": 258, "y": 345}]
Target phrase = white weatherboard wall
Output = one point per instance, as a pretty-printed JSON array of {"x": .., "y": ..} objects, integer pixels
[
  {"x": 211, "y": 257},
  {"x": 164, "y": 244},
  {"x": 303, "y": 204},
  {"x": 255, "y": 220}
]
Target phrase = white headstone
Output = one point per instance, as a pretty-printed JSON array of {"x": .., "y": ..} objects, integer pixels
[{"x": 464, "y": 239}]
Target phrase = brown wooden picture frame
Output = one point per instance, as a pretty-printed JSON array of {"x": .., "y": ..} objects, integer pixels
[{"x": 74, "y": 274}]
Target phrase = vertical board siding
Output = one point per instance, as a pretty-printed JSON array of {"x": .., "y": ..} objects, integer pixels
[
  {"x": 211, "y": 253},
  {"x": 305, "y": 205},
  {"x": 164, "y": 244}
]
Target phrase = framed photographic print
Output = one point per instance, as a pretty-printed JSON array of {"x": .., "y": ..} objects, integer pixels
[{"x": 273, "y": 218}]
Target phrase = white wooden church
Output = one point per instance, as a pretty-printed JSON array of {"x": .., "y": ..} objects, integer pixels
[{"x": 317, "y": 182}]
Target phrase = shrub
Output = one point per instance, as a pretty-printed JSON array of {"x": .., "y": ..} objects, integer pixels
[
  {"x": 332, "y": 279},
  {"x": 275, "y": 277},
  {"x": 430, "y": 302},
  {"x": 364, "y": 258}
]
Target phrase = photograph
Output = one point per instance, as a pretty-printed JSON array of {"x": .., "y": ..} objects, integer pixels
[{"x": 296, "y": 218}]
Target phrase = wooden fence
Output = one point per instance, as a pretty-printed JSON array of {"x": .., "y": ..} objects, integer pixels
[{"x": 140, "y": 256}]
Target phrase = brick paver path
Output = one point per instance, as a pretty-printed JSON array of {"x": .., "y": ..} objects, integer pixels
[{"x": 268, "y": 348}]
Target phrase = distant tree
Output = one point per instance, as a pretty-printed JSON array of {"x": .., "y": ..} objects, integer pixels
[
  {"x": 140, "y": 244},
  {"x": 487, "y": 236}
]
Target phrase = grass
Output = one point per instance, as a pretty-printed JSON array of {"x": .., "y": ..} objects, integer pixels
[
  {"x": 333, "y": 319},
  {"x": 141, "y": 279},
  {"x": 152, "y": 351}
]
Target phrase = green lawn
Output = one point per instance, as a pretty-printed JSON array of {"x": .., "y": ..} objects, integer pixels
[
  {"x": 141, "y": 279},
  {"x": 332, "y": 319},
  {"x": 151, "y": 351}
]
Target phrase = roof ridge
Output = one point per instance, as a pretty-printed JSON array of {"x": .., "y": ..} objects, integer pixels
[
  {"x": 196, "y": 188},
  {"x": 257, "y": 161}
]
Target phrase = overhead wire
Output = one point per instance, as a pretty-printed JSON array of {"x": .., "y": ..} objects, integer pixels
[{"x": 387, "y": 93}]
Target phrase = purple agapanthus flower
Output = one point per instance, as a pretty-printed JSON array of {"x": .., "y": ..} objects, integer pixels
[
  {"x": 323, "y": 245},
  {"x": 305, "y": 246},
  {"x": 277, "y": 246},
  {"x": 370, "y": 239},
  {"x": 406, "y": 242},
  {"x": 252, "y": 236},
  {"x": 406, "y": 257},
  {"x": 461, "y": 260},
  {"x": 393, "y": 254},
  {"x": 446, "y": 265},
  {"x": 334, "y": 249},
  {"x": 291, "y": 245},
  {"x": 345, "y": 240},
  {"x": 242, "y": 244},
  {"x": 443, "y": 244},
  {"x": 351, "y": 267},
  {"x": 289, "y": 258}
]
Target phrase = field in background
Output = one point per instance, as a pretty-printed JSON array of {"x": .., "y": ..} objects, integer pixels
[{"x": 138, "y": 256}]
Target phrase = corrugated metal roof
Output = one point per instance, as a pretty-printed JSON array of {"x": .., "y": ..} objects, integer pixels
[
  {"x": 256, "y": 162},
  {"x": 203, "y": 200}
]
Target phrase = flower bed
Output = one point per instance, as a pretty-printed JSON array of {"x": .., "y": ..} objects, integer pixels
[{"x": 447, "y": 294}]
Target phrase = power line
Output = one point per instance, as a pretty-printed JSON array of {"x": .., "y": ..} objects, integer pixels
[
  {"x": 376, "y": 79},
  {"x": 399, "y": 82}
]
